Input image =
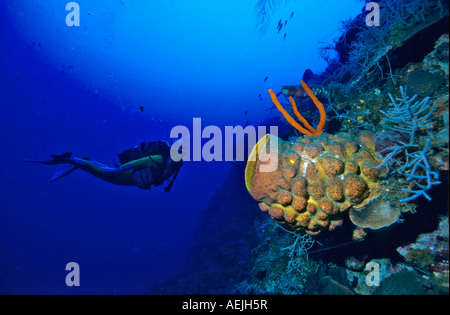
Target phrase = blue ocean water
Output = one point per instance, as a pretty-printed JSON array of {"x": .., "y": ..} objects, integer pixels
[{"x": 129, "y": 73}]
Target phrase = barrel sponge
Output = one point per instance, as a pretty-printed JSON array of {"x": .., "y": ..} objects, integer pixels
[{"x": 316, "y": 179}]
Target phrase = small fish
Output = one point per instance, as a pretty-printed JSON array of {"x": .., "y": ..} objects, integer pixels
[
  {"x": 246, "y": 112},
  {"x": 270, "y": 108},
  {"x": 279, "y": 23},
  {"x": 285, "y": 22},
  {"x": 299, "y": 91},
  {"x": 259, "y": 95},
  {"x": 284, "y": 37},
  {"x": 265, "y": 79},
  {"x": 246, "y": 123},
  {"x": 292, "y": 14},
  {"x": 89, "y": 13},
  {"x": 142, "y": 108}
]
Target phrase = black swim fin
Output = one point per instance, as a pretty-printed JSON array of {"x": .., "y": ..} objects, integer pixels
[
  {"x": 63, "y": 173},
  {"x": 56, "y": 159}
]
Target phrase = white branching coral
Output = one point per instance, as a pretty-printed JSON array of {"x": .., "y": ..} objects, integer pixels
[
  {"x": 410, "y": 160},
  {"x": 298, "y": 252},
  {"x": 407, "y": 115}
]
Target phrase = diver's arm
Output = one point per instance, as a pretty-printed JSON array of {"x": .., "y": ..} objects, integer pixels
[{"x": 167, "y": 189}]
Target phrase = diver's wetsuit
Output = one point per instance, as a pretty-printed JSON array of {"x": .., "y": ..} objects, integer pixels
[
  {"x": 146, "y": 165},
  {"x": 122, "y": 175}
]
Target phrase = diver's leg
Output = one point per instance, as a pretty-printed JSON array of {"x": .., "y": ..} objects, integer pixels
[
  {"x": 97, "y": 169},
  {"x": 118, "y": 176},
  {"x": 96, "y": 163}
]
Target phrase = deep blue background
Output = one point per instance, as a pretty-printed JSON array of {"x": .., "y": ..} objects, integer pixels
[{"x": 80, "y": 89}]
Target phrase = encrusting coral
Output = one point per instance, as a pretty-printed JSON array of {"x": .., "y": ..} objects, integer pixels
[{"x": 377, "y": 214}]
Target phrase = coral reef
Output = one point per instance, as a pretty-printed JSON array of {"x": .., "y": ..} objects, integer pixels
[
  {"x": 365, "y": 50},
  {"x": 424, "y": 270},
  {"x": 281, "y": 263},
  {"x": 316, "y": 180},
  {"x": 437, "y": 61},
  {"x": 402, "y": 283},
  {"x": 423, "y": 83},
  {"x": 411, "y": 132},
  {"x": 357, "y": 274},
  {"x": 411, "y": 49},
  {"x": 328, "y": 286},
  {"x": 430, "y": 254},
  {"x": 329, "y": 280},
  {"x": 278, "y": 251},
  {"x": 410, "y": 159},
  {"x": 388, "y": 96},
  {"x": 363, "y": 108}
]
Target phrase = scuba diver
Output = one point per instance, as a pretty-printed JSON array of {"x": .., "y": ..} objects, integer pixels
[{"x": 142, "y": 166}]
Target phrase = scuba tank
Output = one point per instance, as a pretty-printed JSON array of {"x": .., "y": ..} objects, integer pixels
[{"x": 145, "y": 149}]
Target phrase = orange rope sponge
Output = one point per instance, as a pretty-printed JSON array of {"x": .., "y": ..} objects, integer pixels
[
  {"x": 319, "y": 105},
  {"x": 308, "y": 130}
]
